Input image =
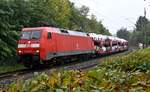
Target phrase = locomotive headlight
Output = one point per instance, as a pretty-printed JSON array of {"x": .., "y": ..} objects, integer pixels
[
  {"x": 19, "y": 51},
  {"x": 37, "y": 51}
]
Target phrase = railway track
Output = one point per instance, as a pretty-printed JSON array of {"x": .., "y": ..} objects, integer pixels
[
  {"x": 9, "y": 77},
  {"x": 93, "y": 62}
]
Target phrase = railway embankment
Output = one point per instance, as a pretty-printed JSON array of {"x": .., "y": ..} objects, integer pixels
[{"x": 129, "y": 73}]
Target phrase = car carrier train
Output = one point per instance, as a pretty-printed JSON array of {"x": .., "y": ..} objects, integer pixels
[{"x": 42, "y": 45}]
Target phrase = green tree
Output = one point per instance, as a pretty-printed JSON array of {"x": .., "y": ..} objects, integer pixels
[
  {"x": 123, "y": 33},
  {"x": 141, "y": 22},
  {"x": 8, "y": 36},
  {"x": 147, "y": 34},
  {"x": 141, "y": 33},
  {"x": 84, "y": 11}
]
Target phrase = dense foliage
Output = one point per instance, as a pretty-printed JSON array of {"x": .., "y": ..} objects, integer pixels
[
  {"x": 123, "y": 33},
  {"x": 15, "y": 14},
  {"x": 130, "y": 73},
  {"x": 141, "y": 33}
]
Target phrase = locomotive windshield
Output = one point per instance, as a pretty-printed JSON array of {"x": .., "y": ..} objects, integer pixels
[
  {"x": 27, "y": 35},
  {"x": 35, "y": 35}
]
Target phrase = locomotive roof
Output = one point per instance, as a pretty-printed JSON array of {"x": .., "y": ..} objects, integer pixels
[
  {"x": 76, "y": 33},
  {"x": 58, "y": 30}
]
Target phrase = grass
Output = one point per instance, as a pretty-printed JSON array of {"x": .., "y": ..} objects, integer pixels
[{"x": 11, "y": 68}]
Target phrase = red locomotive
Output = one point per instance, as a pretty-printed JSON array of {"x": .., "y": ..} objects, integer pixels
[
  {"x": 44, "y": 43},
  {"x": 41, "y": 44}
]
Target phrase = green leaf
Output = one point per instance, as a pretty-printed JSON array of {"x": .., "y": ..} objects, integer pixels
[{"x": 59, "y": 90}]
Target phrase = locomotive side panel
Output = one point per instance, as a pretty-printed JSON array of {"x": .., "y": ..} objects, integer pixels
[{"x": 72, "y": 45}]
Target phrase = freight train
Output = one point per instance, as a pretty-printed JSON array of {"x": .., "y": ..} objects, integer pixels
[{"x": 42, "y": 45}]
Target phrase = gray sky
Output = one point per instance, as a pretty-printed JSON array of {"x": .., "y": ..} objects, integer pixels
[{"x": 115, "y": 14}]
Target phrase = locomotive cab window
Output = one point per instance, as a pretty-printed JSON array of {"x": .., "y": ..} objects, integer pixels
[
  {"x": 28, "y": 35},
  {"x": 49, "y": 36},
  {"x": 35, "y": 34},
  {"x": 25, "y": 35}
]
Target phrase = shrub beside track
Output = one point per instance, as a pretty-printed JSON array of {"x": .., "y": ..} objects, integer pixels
[{"x": 127, "y": 73}]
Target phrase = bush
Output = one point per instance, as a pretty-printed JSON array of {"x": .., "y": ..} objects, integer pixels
[{"x": 128, "y": 73}]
